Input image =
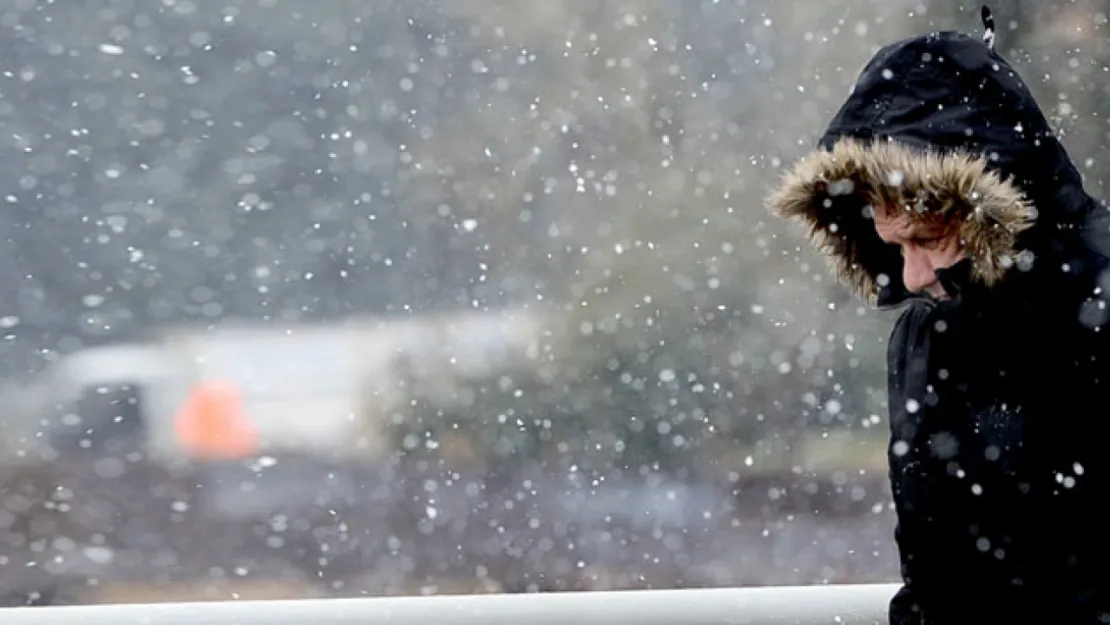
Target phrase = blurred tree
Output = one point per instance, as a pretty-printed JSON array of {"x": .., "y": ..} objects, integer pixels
[{"x": 261, "y": 160}]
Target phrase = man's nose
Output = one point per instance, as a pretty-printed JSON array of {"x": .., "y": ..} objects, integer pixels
[{"x": 918, "y": 273}]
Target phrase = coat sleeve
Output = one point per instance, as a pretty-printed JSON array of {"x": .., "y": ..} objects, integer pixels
[
  {"x": 905, "y": 608},
  {"x": 906, "y": 476},
  {"x": 1077, "y": 442},
  {"x": 1081, "y": 526}
]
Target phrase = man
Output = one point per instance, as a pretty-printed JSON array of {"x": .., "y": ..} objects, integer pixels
[{"x": 939, "y": 188}]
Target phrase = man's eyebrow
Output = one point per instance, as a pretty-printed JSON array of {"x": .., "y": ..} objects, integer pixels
[
  {"x": 927, "y": 230},
  {"x": 928, "y": 233}
]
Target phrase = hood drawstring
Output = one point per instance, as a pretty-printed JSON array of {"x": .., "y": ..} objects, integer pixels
[{"x": 988, "y": 27}]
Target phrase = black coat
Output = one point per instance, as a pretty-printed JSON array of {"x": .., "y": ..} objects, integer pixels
[{"x": 999, "y": 396}]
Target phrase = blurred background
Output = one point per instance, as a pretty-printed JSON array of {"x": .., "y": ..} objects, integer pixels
[{"x": 371, "y": 297}]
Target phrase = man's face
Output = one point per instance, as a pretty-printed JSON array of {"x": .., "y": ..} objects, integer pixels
[{"x": 926, "y": 247}]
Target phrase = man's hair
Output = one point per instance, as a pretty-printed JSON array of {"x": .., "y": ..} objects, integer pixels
[{"x": 925, "y": 208}]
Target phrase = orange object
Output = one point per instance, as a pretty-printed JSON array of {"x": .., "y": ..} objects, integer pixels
[{"x": 211, "y": 424}]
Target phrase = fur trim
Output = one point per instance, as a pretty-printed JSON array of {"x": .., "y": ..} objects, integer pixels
[{"x": 831, "y": 192}]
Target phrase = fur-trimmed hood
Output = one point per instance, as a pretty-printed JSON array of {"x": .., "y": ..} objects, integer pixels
[
  {"x": 831, "y": 192},
  {"x": 940, "y": 125}
]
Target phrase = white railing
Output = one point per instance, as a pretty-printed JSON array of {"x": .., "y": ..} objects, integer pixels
[{"x": 784, "y": 605}]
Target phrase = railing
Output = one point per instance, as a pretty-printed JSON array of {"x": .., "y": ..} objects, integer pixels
[{"x": 793, "y": 605}]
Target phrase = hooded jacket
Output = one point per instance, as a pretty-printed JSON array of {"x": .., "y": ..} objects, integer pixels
[{"x": 1000, "y": 395}]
